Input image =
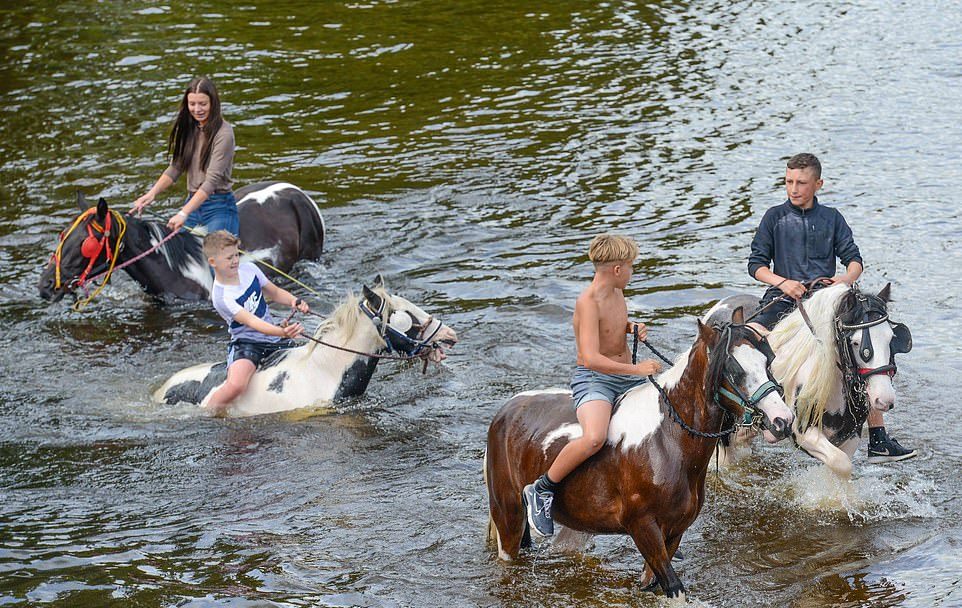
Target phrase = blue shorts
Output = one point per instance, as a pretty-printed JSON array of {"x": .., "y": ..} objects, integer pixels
[
  {"x": 255, "y": 351},
  {"x": 589, "y": 385},
  {"x": 218, "y": 212}
]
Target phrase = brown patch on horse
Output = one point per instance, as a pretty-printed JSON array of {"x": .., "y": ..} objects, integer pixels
[{"x": 652, "y": 492}]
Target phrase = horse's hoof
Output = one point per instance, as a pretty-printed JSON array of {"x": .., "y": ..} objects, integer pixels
[{"x": 678, "y": 556}]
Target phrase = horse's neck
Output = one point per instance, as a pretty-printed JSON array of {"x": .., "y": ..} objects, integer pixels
[
  {"x": 688, "y": 397},
  {"x": 177, "y": 268},
  {"x": 351, "y": 370}
]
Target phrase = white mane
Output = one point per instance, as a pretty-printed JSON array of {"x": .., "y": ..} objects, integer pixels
[
  {"x": 343, "y": 322},
  {"x": 795, "y": 346}
]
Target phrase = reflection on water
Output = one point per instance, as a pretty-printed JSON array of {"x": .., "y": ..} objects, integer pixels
[{"x": 468, "y": 152}]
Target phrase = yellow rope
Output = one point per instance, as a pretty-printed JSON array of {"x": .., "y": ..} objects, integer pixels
[{"x": 122, "y": 224}]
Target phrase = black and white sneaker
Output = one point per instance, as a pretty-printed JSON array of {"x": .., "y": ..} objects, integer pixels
[
  {"x": 888, "y": 450},
  {"x": 537, "y": 507}
]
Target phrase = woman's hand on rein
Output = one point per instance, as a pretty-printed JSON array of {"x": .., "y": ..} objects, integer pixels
[
  {"x": 141, "y": 203},
  {"x": 176, "y": 222}
]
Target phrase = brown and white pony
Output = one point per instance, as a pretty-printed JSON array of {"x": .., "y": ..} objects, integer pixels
[{"x": 648, "y": 480}]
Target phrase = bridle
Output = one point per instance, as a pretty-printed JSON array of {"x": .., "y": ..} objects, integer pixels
[
  {"x": 412, "y": 341},
  {"x": 751, "y": 413},
  {"x": 92, "y": 247},
  {"x": 866, "y": 312}
]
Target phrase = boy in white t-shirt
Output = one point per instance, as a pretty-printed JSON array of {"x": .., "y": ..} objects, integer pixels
[{"x": 238, "y": 295}]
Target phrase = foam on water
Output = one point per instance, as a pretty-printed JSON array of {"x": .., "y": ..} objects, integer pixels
[{"x": 876, "y": 494}]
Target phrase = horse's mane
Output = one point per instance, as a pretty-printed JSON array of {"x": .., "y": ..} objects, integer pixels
[
  {"x": 178, "y": 251},
  {"x": 348, "y": 315},
  {"x": 796, "y": 345},
  {"x": 717, "y": 357}
]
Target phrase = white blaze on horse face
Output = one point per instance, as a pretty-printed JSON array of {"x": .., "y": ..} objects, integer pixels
[
  {"x": 881, "y": 393},
  {"x": 755, "y": 365}
]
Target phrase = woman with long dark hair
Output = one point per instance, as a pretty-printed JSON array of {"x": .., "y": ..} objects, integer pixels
[{"x": 201, "y": 143}]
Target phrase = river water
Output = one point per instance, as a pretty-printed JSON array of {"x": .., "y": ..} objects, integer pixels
[{"x": 468, "y": 151}]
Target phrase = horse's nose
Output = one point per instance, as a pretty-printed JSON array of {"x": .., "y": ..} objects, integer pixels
[{"x": 781, "y": 428}]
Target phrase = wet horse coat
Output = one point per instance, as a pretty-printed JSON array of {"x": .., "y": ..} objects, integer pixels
[
  {"x": 828, "y": 425},
  {"x": 648, "y": 480},
  {"x": 314, "y": 373},
  {"x": 279, "y": 224}
]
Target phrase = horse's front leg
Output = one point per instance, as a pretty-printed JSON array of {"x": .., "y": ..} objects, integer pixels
[
  {"x": 814, "y": 441},
  {"x": 650, "y": 541}
]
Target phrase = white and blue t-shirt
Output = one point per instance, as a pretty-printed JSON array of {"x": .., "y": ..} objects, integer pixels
[{"x": 228, "y": 300}]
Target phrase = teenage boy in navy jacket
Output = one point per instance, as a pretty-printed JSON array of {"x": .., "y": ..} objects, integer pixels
[{"x": 801, "y": 239}]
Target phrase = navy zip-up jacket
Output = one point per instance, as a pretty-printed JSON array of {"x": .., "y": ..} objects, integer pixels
[{"x": 802, "y": 244}]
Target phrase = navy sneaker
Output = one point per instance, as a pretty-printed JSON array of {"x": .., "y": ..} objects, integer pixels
[
  {"x": 888, "y": 450},
  {"x": 537, "y": 506}
]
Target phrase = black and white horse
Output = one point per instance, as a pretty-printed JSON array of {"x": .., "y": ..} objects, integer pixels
[
  {"x": 834, "y": 371},
  {"x": 374, "y": 323},
  {"x": 279, "y": 224}
]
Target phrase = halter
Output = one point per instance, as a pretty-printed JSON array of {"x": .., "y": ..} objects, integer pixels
[
  {"x": 397, "y": 341},
  {"x": 855, "y": 378},
  {"x": 752, "y": 413},
  {"x": 91, "y": 248}
]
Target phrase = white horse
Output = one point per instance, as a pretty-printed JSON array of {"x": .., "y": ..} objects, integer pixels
[
  {"x": 355, "y": 335},
  {"x": 833, "y": 375}
]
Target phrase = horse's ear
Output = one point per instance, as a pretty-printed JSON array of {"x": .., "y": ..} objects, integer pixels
[
  {"x": 378, "y": 280},
  {"x": 706, "y": 333},
  {"x": 82, "y": 201},
  {"x": 373, "y": 299},
  {"x": 886, "y": 293},
  {"x": 101, "y": 210},
  {"x": 738, "y": 317}
]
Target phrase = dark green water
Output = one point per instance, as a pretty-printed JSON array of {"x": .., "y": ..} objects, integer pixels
[{"x": 468, "y": 151}]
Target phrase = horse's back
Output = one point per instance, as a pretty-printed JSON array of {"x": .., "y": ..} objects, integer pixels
[
  {"x": 516, "y": 447},
  {"x": 721, "y": 312},
  {"x": 193, "y": 384},
  {"x": 280, "y": 215}
]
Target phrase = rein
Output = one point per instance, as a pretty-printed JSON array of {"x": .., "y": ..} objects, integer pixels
[
  {"x": 809, "y": 287},
  {"x": 664, "y": 394}
]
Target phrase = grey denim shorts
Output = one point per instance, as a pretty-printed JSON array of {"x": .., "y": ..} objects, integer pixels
[{"x": 589, "y": 385}]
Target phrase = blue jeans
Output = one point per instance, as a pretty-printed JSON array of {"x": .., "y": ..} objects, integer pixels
[{"x": 218, "y": 212}]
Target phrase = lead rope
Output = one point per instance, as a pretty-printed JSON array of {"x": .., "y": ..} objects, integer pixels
[{"x": 661, "y": 391}]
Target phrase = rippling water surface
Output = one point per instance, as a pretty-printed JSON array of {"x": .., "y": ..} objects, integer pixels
[{"x": 468, "y": 151}]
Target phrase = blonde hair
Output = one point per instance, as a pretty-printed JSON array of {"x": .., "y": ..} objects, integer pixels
[
  {"x": 217, "y": 241},
  {"x": 607, "y": 248}
]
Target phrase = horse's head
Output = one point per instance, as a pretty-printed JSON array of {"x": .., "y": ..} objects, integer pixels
[
  {"x": 740, "y": 378},
  {"x": 86, "y": 248},
  {"x": 867, "y": 341},
  {"x": 408, "y": 330}
]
